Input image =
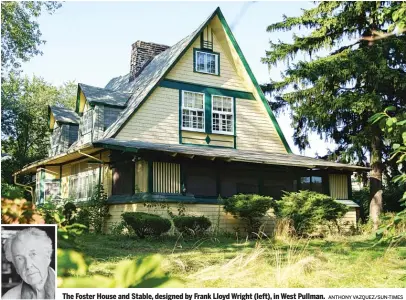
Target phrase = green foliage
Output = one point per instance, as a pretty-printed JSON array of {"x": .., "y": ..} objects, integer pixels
[
  {"x": 139, "y": 273},
  {"x": 335, "y": 94},
  {"x": 191, "y": 225},
  {"x": 362, "y": 198},
  {"x": 20, "y": 34},
  {"x": 393, "y": 124},
  {"x": 249, "y": 208},
  {"x": 98, "y": 209},
  {"x": 24, "y": 126},
  {"x": 145, "y": 224},
  {"x": 11, "y": 191},
  {"x": 308, "y": 209}
]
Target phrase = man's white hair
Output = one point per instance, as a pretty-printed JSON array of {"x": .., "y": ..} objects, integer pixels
[{"x": 40, "y": 235}]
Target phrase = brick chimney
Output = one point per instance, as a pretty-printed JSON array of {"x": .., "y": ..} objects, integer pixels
[{"x": 141, "y": 55}]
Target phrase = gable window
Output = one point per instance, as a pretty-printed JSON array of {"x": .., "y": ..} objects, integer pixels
[
  {"x": 87, "y": 122},
  {"x": 206, "y": 62},
  {"x": 222, "y": 115},
  {"x": 192, "y": 111}
]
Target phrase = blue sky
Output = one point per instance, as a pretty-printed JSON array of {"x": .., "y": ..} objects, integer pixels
[{"x": 90, "y": 42}]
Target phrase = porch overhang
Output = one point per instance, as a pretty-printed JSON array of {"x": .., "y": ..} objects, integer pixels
[
  {"x": 70, "y": 155},
  {"x": 227, "y": 154}
]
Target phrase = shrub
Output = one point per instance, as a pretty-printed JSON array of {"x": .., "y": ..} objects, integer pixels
[
  {"x": 145, "y": 224},
  {"x": 97, "y": 209},
  {"x": 11, "y": 191},
  {"x": 69, "y": 212},
  {"x": 308, "y": 209},
  {"x": 249, "y": 208},
  {"x": 363, "y": 199},
  {"x": 191, "y": 225}
]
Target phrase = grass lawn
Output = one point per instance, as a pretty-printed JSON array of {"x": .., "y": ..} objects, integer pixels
[{"x": 228, "y": 262}]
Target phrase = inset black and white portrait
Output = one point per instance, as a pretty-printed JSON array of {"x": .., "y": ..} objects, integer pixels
[{"x": 28, "y": 261}]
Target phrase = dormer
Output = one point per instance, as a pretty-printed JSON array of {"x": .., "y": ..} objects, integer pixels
[
  {"x": 64, "y": 126},
  {"x": 98, "y": 109}
]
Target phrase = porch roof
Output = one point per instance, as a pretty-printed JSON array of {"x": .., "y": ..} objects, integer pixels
[{"x": 229, "y": 154}]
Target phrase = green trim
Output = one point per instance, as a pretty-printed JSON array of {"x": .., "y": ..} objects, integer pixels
[
  {"x": 150, "y": 177},
  {"x": 42, "y": 187},
  {"x": 199, "y": 88},
  {"x": 207, "y": 113},
  {"x": 163, "y": 198},
  {"x": 235, "y": 123},
  {"x": 115, "y": 147},
  {"x": 206, "y": 51},
  {"x": 78, "y": 100},
  {"x": 253, "y": 79},
  {"x": 167, "y": 71},
  {"x": 180, "y": 116},
  {"x": 212, "y": 146},
  {"x": 60, "y": 180}
]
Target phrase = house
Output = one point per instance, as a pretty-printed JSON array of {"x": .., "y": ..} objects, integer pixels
[{"x": 188, "y": 124}]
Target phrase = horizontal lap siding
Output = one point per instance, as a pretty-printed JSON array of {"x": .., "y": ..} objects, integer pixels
[
  {"x": 255, "y": 130},
  {"x": 183, "y": 70},
  {"x": 219, "y": 219},
  {"x": 157, "y": 120}
]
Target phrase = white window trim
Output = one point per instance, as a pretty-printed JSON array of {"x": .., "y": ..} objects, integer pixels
[
  {"x": 195, "y": 109},
  {"x": 216, "y": 65},
  {"x": 222, "y": 113}
]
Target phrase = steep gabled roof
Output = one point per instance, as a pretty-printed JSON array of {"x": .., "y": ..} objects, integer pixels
[
  {"x": 160, "y": 66},
  {"x": 96, "y": 95},
  {"x": 64, "y": 115},
  {"x": 146, "y": 82}
]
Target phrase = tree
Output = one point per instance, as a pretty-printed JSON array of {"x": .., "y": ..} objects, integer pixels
[
  {"x": 20, "y": 34},
  {"x": 24, "y": 127},
  {"x": 336, "y": 94}
]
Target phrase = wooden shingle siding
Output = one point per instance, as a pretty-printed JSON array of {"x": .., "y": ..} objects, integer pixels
[
  {"x": 166, "y": 178},
  {"x": 110, "y": 115},
  {"x": 255, "y": 130},
  {"x": 183, "y": 70},
  {"x": 157, "y": 120},
  {"x": 98, "y": 122},
  {"x": 338, "y": 186},
  {"x": 73, "y": 133}
]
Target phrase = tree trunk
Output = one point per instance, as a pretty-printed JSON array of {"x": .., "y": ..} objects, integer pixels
[{"x": 375, "y": 207}]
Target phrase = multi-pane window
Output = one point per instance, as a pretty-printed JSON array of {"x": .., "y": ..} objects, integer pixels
[
  {"x": 207, "y": 62},
  {"x": 222, "y": 118},
  {"x": 83, "y": 179},
  {"x": 87, "y": 122},
  {"x": 192, "y": 111},
  {"x": 312, "y": 183}
]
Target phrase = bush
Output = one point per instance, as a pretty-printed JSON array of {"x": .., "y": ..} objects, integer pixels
[
  {"x": 308, "y": 209},
  {"x": 249, "y": 208},
  {"x": 11, "y": 191},
  {"x": 145, "y": 224},
  {"x": 363, "y": 199},
  {"x": 191, "y": 225},
  {"x": 94, "y": 212}
]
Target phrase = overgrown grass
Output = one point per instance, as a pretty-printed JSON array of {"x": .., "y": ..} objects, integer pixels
[{"x": 229, "y": 262}]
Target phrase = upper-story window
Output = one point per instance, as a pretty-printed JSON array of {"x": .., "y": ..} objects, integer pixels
[
  {"x": 222, "y": 115},
  {"x": 87, "y": 122},
  {"x": 192, "y": 111},
  {"x": 207, "y": 62}
]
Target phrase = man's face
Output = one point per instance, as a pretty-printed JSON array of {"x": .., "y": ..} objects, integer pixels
[{"x": 30, "y": 260}]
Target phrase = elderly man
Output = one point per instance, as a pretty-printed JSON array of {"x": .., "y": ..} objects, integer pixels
[{"x": 30, "y": 252}]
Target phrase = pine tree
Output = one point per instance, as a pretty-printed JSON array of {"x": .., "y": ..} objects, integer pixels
[{"x": 336, "y": 94}]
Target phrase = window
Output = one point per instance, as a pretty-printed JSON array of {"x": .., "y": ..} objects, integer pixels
[
  {"x": 166, "y": 178},
  {"x": 312, "y": 183},
  {"x": 222, "y": 118},
  {"x": 192, "y": 111},
  {"x": 87, "y": 122},
  {"x": 207, "y": 62},
  {"x": 83, "y": 179}
]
